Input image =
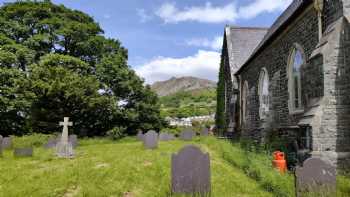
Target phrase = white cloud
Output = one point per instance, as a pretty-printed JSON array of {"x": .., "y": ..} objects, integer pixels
[
  {"x": 106, "y": 16},
  {"x": 144, "y": 17},
  {"x": 215, "y": 44},
  {"x": 260, "y": 6},
  {"x": 204, "y": 64},
  {"x": 208, "y": 13}
]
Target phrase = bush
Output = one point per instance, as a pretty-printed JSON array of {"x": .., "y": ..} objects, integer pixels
[
  {"x": 116, "y": 133},
  {"x": 173, "y": 130},
  {"x": 33, "y": 140}
]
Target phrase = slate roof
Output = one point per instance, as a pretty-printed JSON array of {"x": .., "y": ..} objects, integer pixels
[
  {"x": 241, "y": 42},
  {"x": 282, "y": 21}
]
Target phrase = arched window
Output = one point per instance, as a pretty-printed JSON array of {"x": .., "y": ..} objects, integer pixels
[
  {"x": 296, "y": 61},
  {"x": 245, "y": 94},
  {"x": 264, "y": 99}
]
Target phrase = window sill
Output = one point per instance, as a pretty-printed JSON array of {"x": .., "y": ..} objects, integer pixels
[{"x": 296, "y": 112}]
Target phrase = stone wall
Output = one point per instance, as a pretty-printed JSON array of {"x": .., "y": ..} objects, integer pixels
[
  {"x": 325, "y": 82},
  {"x": 274, "y": 58},
  {"x": 333, "y": 9},
  {"x": 333, "y": 138}
]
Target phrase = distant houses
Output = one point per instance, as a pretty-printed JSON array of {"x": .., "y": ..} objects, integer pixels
[{"x": 187, "y": 122}]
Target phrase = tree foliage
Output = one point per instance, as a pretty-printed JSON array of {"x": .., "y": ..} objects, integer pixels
[
  {"x": 189, "y": 103},
  {"x": 55, "y": 62},
  {"x": 220, "y": 118}
]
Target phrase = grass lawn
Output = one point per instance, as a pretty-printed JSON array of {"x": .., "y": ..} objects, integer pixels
[
  {"x": 123, "y": 168},
  {"x": 106, "y": 168}
]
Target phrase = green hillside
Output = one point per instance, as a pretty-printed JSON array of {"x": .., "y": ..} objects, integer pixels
[{"x": 189, "y": 103}]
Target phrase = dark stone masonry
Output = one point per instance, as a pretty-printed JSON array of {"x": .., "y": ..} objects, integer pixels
[{"x": 305, "y": 56}]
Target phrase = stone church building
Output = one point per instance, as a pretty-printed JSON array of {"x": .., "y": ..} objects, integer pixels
[{"x": 293, "y": 78}]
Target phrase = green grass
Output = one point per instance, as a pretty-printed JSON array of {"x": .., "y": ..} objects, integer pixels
[
  {"x": 116, "y": 168},
  {"x": 107, "y": 168}
]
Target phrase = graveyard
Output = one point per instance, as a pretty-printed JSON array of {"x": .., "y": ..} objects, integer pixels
[
  {"x": 264, "y": 111},
  {"x": 103, "y": 167}
]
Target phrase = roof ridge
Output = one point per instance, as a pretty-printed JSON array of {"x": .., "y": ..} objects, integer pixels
[{"x": 246, "y": 27}]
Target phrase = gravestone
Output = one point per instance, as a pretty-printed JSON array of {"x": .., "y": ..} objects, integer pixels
[
  {"x": 140, "y": 136},
  {"x": 163, "y": 137},
  {"x": 150, "y": 140},
  {"x": 171, "y": 137},
  {"x": 190, "y": 172},
  {"x": 73, "y": 139},
  {"x": 0, "y": 145},
  {"x": 187, "y": 135},
  {"x": 51, "y": 142},
  {"x": 166, "y": 137},
  {"x": 315, "y": 176},
  {"x": 205, "y": 132},
  {"x": 6, "y": 142},
  {"x": 23, "y": 152},
  {"x": 64, "y": 148}
]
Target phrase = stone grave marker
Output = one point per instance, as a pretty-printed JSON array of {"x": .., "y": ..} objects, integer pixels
[
  {"x": 166, "y": 137},
  {"x": 51, "y": 142},
  {"x": 163, "y": 137},
  {"x": 205, "y": 132},
  {"x": 171, "y": 136},
  {"x": 1, "y": 145},
  {"x": 64, "y": 148},
  {"x": 187, "y": 135},
  {"x": 315, "y": 176},
  {"x": 190, "y": 172},
  {"x": 140, "y": 136},
  {"x": 23, "y": 152},
  {"x": 7, "y": 142},
  {"x": 150, "y": 140},
  {"x": 73, "y": 139}
]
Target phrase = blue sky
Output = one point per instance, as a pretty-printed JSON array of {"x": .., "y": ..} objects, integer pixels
[{"x": 175, "y": 38}]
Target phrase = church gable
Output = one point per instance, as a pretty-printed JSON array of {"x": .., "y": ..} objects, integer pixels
[{"x": 241, "y": 42}]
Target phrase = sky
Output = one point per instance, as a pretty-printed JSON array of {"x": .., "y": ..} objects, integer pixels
[{"x": 168, "y": 38}]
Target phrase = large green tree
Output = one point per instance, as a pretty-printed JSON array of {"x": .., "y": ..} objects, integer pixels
[{"x": 55, "y": 62}]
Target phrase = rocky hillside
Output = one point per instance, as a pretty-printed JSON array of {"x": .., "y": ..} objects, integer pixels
[{"x": 182, "y": 84}]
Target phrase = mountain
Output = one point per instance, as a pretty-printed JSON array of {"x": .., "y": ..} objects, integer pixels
[{"x": 182, "y": 84}]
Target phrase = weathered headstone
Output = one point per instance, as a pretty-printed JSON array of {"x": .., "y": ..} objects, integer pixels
[
  {"x": 6, "y": 142},
  {"x": 140, "y": 136},
  {"x": 166, "y": 137},
  {"x": 190, "y": 172},
  {"x": 23, "y": 152},
  {"x": 187, "y": 135},
  {"x": 150, "y": 140},
  {"x": 64, "y": 149},
  {"x": 73, "y": 139},
  {"x": 171, "y": 137},
  {"x": 315, "y": 176},
  {"x": 205, "y": 132},
  {"x": 52, "y": 142},
  {"x": 163, "y": 137}
]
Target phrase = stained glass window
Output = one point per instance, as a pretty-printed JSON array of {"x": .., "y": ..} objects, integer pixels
[
  {"x": 295, "y": 79},
  {"x": 264, "y": 94}
]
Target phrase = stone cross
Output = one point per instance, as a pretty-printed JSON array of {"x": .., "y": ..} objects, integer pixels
[
  {"x": 64, "y": 148},
  {"x": 65, "y": 125}
]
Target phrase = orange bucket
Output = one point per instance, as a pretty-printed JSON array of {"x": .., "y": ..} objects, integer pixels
[{"x": 279, "y": 161}]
